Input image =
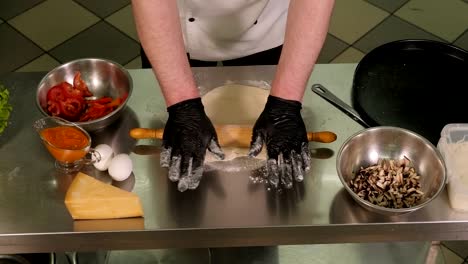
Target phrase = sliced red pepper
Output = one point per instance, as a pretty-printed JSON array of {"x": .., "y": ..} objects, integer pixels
[
  {"x": 84, "y": 118},
  {"x": 115, "y": 103},
  {"x": 93, "y": 112},
  {"x": 71, "y": 91},
  {"x": 102, "y": 100},
  {"x": 107, "y": 111},
  {"x": 79, "y": 84},
  {"x": 124, "y": 97}
]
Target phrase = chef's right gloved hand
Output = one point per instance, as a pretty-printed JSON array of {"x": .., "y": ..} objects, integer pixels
[{"x": 187, "y": 135}]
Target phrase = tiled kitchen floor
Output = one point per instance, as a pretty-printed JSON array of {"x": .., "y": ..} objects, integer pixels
[{"x": 37, "y": 35}]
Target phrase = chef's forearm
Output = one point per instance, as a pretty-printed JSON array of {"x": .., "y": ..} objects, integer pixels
[
  {"x": 307, "y": 27},
  {"x": 160, "y": 33}
]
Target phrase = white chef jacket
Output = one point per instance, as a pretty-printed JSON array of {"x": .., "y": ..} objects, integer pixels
[{"x": 216, "y": 30}]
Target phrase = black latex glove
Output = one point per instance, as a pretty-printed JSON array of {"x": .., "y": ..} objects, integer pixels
[
  {"x": 281, "y": 128},
  {"x": 187, "y": 135}
]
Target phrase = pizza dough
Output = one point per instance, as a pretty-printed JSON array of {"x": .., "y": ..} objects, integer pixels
[{"x": 234, "y": 105}]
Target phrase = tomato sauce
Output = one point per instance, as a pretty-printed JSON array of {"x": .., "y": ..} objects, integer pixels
[{"x": 66, "y": 143}]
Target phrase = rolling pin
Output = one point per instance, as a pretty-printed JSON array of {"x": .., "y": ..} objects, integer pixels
[{"x": 230, "y": 135}]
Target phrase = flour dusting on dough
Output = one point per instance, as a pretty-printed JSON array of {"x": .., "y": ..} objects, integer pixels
[
  {"x": 235, "y": 105},
  {"x": 236, "y": 159},
  {"x": 232, "y": 153}
]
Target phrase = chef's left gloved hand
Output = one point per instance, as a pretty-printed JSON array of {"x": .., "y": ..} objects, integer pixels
[{"x": 281, "y": 128}]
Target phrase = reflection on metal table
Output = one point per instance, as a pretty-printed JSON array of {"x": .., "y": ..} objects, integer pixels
[{"x": 226, "y": 210}]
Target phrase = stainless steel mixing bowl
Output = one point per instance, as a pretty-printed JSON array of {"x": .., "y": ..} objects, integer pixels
[
  {"x": 366, "y": 147},
  {"x": 103, "y": 77}
]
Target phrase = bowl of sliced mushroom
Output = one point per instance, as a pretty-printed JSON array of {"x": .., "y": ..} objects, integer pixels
[{"x": 391, "y": 170}]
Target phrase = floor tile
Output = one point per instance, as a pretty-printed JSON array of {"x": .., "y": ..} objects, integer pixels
[
  {"x": 459, "y": 247},
  {"x": 12, "y": 8},
  {"x": 351, "y": 19},
  {"x": 331, "y": 48},
  {"x": 393, "y": 28},
  {"x": 179, "y": 256},
  {"x": 17, "y": 51},
  {"x": 389, "y": 6},
  {"x": 350, "y": 55},
  {"x": 450, "y": 257},
  {"x": 134, "y": 64},
  {"x": 53, "y": 22},
  {"x": 352, "y": 253},
  {"x": 447, "y": 19},
  {"x": 123, "y": 20},
  {"x": 101, "y": 40},
  {"x": 462, "y": 41},
  {"x": 103, "y": 8},
  {"x": 44, "y": 63}
]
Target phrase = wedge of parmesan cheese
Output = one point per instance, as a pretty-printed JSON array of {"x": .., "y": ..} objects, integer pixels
[{"x": 89, "y": 198}]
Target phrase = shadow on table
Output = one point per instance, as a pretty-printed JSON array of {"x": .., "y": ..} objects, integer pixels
[
  {"x": 345, "y": 210},
  {"x": 251, "y": 255},
  {"x": 117, "y": 134}
]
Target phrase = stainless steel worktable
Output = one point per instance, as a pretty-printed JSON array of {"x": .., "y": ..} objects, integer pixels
[{"x": 226, "y": 210}]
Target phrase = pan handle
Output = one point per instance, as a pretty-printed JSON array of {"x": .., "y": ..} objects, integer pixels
[{"x": 338, "y": 103}]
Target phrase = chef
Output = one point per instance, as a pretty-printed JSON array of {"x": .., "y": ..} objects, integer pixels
[{"x": 178, "y": 34}]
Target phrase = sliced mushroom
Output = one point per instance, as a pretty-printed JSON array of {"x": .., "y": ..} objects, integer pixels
[{"x": 389, "y": 183}]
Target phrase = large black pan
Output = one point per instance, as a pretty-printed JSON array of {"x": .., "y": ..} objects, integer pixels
[{"x": 420, "y": 85}]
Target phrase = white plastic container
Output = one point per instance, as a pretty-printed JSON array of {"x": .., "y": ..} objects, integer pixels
[{"x": 453, "y": 145}]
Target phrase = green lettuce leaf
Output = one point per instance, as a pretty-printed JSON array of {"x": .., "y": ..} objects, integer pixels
[{"x": 5, "y": 108}]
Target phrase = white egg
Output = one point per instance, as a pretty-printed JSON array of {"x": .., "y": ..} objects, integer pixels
[
  {"x": 120, "y": 167},
  {"x": 106, "y": 153}
]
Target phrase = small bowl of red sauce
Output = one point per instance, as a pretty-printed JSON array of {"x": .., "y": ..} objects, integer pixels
[
  {"x": 69, "y": 144},
  {"x": 90, "y": 92}
]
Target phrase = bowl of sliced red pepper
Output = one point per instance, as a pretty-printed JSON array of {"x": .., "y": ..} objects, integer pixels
[{"x": 90, "y": 92}]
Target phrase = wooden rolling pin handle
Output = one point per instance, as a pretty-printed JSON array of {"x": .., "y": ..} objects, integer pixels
[
  {"x": 323, "y": 136},
  {"x": 142, "y": 133}
]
